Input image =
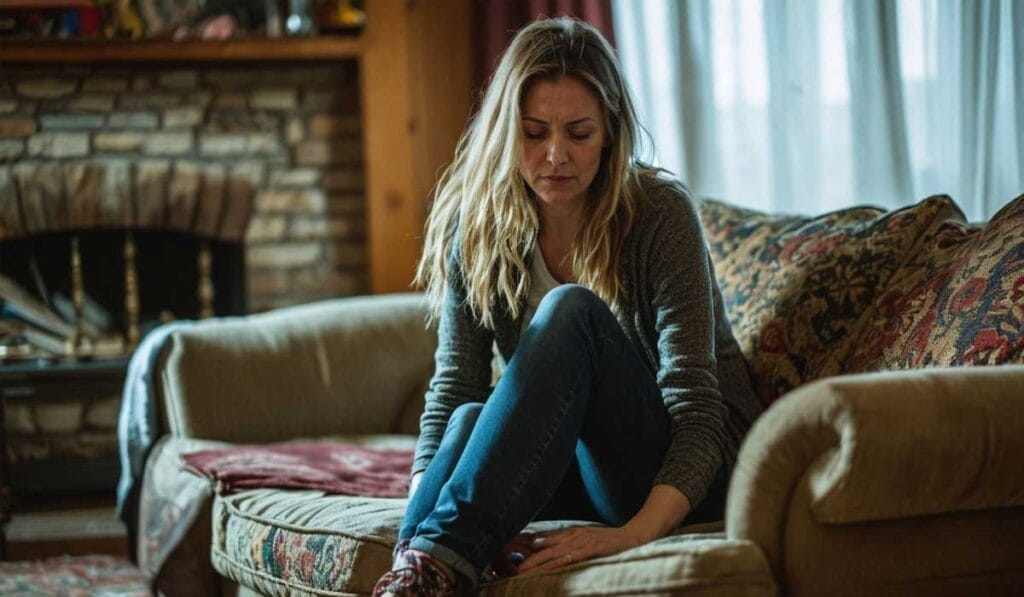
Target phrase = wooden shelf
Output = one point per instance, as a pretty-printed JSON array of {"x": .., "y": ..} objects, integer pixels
[{"x": 235, "y": 50}]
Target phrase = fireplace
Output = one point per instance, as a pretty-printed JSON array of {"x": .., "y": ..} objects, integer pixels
[{"x": 245, "y": 177}]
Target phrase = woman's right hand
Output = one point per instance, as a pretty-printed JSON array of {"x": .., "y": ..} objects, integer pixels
[
  {"x": 518, "y": 549},
  {"x": 414, "y": 482}
]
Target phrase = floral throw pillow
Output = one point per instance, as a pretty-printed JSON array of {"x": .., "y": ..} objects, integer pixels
[
  {"x": 959, "y": 300},
  {"x": 797, "y": 290}
]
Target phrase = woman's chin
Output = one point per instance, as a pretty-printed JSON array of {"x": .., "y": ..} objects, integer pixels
[{"x": 559, "y": 198}]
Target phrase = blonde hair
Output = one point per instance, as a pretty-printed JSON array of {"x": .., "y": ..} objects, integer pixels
[{"x": 483, "y": 214}]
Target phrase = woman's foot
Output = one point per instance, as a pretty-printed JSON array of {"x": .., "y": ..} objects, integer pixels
[{"x": 416, "y": 573}]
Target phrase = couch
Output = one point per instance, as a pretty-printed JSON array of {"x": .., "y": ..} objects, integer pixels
[{"x": 887, "y": 346}]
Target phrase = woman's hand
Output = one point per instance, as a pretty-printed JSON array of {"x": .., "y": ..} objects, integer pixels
[
  {"x": 569, "y": 546},
  {"x": 518, "y": 549}
]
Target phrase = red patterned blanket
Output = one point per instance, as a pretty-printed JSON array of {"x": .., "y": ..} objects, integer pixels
[{"x": 329, "y": 467}]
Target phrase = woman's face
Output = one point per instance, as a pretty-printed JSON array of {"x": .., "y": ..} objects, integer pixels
[{"x": 563, "y": 131}]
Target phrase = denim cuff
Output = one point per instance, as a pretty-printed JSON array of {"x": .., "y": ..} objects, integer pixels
[{"x": 460, "y": 564}]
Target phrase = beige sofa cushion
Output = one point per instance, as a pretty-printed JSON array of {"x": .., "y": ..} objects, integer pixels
[
  {"x": 686, "y": 564},
  {"x": 307, "y": 543},
  {"x": 278, "y": 541}
]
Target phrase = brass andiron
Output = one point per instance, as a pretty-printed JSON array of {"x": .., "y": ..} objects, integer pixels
[
  {"x": 78, "y": 345},
  {"x": 131, "y": 292},
  {"x": 205, "y": 290}
]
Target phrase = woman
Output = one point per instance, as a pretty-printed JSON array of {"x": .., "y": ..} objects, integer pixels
[{"x": 625, "y": 396}]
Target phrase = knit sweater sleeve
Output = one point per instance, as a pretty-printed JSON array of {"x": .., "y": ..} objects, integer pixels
[
  {"x": 462, "y": 370},
  {"x": 680, "y": 286}
]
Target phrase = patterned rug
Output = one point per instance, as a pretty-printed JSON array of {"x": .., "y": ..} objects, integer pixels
[{"x": 73, "y": 576}]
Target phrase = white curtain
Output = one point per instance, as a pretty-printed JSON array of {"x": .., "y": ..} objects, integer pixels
[{"x": 811, "y": 105}]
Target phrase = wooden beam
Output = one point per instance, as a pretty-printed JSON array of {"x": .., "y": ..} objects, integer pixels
[
  {"x": 416, "y": 81},
  {"x": 442, "y": 88}
]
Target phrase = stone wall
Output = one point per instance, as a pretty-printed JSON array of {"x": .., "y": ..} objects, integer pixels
[
  {"x": 160, "y": 146},
  {"x": 67, "y": 430},
  {"x": 172, "y": 139}
]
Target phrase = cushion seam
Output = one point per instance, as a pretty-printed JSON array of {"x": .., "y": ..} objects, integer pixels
[{"x": 234, "y": 510}]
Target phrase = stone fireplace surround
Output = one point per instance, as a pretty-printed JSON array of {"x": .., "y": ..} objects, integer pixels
[
  {"x": 266, "y": 154},
  {"x": 185, "y": 147}
]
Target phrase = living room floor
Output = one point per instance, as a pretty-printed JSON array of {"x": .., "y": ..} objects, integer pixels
[{"x": 43, "y": 526}]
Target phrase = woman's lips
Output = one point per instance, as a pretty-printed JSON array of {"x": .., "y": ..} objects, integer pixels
[{"x": 556, "y": 180}]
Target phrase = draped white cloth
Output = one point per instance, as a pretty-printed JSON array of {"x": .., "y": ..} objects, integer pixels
[{"x": 810, "y": 105}]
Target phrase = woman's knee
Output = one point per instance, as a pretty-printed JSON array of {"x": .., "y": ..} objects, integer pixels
[{"x": 570, "y": 300}]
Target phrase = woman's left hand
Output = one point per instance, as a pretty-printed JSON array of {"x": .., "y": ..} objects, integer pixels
[{"x": 569, "y": 546}]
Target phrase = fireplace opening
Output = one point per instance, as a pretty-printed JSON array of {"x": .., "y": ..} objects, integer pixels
[{"x": 167, "y": 271}]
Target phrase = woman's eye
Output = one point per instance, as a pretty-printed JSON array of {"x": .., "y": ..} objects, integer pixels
[
  {"x": 580, "y": 136},
  {"x": 534, "y": 134}
]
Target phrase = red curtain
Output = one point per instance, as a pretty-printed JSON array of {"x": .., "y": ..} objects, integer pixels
[{"x": 496, "y": 22}]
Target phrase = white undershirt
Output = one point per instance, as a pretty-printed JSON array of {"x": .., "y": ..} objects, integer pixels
[{"x": 541, "y": 283}]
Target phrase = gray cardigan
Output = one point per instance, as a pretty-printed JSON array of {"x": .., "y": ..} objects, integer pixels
[{"x": 672, "y": 313}]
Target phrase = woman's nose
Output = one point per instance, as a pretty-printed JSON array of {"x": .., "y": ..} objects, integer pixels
[{"x": 558, "y": 152}]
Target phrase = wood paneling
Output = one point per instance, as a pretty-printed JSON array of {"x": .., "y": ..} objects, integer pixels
[{"x": 416, "y": 82}]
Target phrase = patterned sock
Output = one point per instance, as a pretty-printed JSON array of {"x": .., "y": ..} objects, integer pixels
[{"x": 415, "y": 574}]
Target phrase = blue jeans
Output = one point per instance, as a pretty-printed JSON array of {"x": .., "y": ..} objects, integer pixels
[{"x": 575, "y": 429}]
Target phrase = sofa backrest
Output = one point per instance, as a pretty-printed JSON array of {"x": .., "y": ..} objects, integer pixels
[{"x": 343, "y": 366}]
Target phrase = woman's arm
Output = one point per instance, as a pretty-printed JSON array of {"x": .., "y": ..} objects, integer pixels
[
  {"x": 681, "y": 295},
  {"x": 462, "y": 371},
  {"x": 664, "y": 510}
]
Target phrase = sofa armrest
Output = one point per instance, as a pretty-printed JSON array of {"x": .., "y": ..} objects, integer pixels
[
  {"x": 882, "y": 446},
  {"x": 339, "y": 366}
]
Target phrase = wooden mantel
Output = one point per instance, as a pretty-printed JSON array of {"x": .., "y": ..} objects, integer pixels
[
  {"x": 416, "y": 83},
  {"x": 242, "y": 49}
]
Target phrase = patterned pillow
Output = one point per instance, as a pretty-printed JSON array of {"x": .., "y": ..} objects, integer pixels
[
  {"x": 959, "y": 300},
  {"x": 797, "y": 290}
]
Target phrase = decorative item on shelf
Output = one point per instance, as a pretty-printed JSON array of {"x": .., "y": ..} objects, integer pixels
[
  {"x": 131, "y": 292},
  {"x": 120, "y": 19},
  {"x": 205, "y": 283},
  {"x": 274, "y": 22},
  {"x": 225, "y": 19},
  {"x": 300, "y": 18},
  {"x": 164, "y": 17},
  {"x": 341, "y": 17},
  {"x": 45, "y": 19}
]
